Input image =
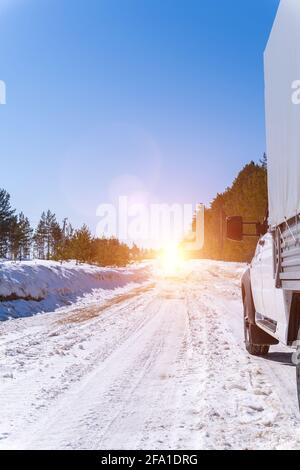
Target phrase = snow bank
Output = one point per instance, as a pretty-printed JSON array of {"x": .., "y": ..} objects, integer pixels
[{"x": 31, "y": 287}]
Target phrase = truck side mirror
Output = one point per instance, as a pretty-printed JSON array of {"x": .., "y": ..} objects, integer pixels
[
  {"x": 235, "y": 228},
  {"x": 262, "y": 229}
]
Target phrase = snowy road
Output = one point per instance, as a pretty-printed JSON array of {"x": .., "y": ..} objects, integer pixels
[{"x": 160, "y": 367}]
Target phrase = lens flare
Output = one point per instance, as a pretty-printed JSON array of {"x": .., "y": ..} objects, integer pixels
[{"x": 171, "y": 259}]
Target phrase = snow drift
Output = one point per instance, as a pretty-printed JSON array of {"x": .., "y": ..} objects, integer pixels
[{"x": 27, "y": 288}]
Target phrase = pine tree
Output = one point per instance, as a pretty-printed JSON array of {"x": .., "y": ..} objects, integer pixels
[
  {"x": 40, "y": 237},
  {"x": 14, "y": 238},
  {"x": 63, "y": 247},
  {"x": 25, "y": 236},
  {"x": 81, "y": 245},
  {"x": 48, "y": 236},
  {"x": 6, "y": 221},
  {"x": 51, "y": 226},
  {"x": 20, "y": 237},
  {"x": 56, "y": 237},
  {"x": 135, "y": 253}
]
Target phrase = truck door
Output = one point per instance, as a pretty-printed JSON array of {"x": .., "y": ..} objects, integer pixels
[
  {"x": 269, "y": 310},
  {"x": 256, "y": 279}
]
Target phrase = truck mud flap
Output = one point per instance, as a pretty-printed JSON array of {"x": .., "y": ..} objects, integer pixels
[{"x": 261, "y": 338}]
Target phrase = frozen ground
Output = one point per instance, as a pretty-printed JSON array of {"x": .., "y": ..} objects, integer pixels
[
  {"x": 31, "y": 287},
  {"x": 158, "y": 366}
]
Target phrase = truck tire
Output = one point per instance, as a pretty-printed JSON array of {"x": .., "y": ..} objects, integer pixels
[{"x": 252, "y": 334}]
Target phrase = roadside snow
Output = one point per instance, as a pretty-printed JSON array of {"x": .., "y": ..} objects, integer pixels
[{"x": 42, "y": 286}]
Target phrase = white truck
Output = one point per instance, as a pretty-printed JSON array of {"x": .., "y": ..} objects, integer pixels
[{"x": 271, "y": 285}]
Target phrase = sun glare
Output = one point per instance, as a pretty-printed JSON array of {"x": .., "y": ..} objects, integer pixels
[{"x": 171, "y": 259}]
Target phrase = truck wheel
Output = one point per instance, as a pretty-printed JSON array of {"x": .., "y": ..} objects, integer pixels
[{"x": 251, "y": 332}]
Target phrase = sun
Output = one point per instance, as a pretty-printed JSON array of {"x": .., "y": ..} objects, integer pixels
[{"x": 171, "y": 259}]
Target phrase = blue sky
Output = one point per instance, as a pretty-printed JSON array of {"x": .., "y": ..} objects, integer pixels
[{"x": 160, "y": 98}]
